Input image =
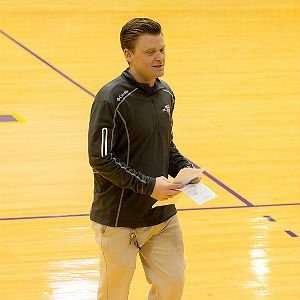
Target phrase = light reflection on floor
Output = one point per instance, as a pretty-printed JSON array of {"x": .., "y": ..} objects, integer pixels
[
  {"x": 73, "y": 279},
  {"x": 259, "y": 259}
]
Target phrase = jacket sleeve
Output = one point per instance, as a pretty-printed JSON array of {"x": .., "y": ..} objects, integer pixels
[
  {"x": 102, "y": 137},
  {"x": 176, "y": 160}
]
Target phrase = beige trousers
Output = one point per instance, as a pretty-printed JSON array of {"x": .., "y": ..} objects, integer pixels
[{"x": 160, "y": 248}]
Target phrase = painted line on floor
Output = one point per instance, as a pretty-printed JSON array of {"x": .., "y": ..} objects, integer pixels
[
  {"x": 48, "y": 64},
  {"x": 269, "y": 218},
  {"x": 44, "y": 217},
  {"x": 290, "y": 233},
  {"x": 224, "y": 186},
  {"x": 178, "y": 209}
]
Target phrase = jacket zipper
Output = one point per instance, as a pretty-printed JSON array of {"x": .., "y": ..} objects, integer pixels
[{"x": 156, "y": 115}]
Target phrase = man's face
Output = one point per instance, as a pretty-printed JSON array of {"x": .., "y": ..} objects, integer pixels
[{"x": 147, "y": 60}]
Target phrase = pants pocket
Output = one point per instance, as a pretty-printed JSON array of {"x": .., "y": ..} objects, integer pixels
[{"x": 99, "y": 228}]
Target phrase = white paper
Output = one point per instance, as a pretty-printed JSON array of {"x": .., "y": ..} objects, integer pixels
[{"x": 198, "y": 192}]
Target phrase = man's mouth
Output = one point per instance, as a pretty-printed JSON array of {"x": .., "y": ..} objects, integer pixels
[{"x": 158, "y": 66}]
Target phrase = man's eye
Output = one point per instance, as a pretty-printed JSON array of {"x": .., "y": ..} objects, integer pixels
[{"x": 162, "y": 50}]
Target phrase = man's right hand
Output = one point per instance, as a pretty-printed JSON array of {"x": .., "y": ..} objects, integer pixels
[{"x": 165, "y": 189}]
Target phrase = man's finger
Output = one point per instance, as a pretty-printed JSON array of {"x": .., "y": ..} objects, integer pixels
[
  {"x": 196, "y": 180},
  {"x": 174, "y": 192},
  {"x": 175, "y": 186},
  {"x": 165, "y": 179}
]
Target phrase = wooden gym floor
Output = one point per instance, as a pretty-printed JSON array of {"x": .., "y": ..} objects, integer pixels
[{"x": 234, "y": 67}]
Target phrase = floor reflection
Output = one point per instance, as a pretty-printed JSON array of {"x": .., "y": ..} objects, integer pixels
[{"x": 73, "y": 279}]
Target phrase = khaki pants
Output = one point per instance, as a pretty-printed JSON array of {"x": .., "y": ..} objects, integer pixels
[{"x": 160, "y": 248}]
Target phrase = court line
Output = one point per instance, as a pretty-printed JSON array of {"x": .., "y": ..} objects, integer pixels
[
  {"x": 91, "y": 94},
  {"x": 291, "y": 233},
  {"x": 225, "y": 187},
  {"x": 269, "y": 218},
  {"x": 178, "y": 209},
  {"x": 237, "y": 206},
  {"x": 48, "y": 64}
]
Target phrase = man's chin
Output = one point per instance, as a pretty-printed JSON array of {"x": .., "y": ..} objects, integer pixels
[{"x": 159, "y": 74}]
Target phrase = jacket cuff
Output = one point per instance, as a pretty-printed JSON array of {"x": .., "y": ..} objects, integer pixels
[
  {"x": 189, "y": 165},
  {"x": 150, "y": 186}
]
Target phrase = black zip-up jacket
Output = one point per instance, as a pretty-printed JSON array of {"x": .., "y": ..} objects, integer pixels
[{"x": 130, "y": 143}]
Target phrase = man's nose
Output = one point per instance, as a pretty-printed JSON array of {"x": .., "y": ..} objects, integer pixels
[{"x": 159, "y": 56}]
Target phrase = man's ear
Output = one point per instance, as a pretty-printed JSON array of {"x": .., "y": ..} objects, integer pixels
[{"x": 127, "y": 55}]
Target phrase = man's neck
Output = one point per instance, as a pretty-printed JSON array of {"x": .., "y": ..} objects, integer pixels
[{"x": 140, "y": 79}]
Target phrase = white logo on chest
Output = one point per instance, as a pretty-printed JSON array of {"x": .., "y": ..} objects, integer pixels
[
  {"x": 167, "y": 109},
  {"x": 121, "y": 96}
]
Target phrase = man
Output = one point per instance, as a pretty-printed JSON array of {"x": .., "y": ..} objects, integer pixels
[{"x": 131, "y": 151}]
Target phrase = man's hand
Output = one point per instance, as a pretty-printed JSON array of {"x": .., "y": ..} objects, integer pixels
[
  {"x": 165, "y": 189},
  {"x": 196, "y": 180}
]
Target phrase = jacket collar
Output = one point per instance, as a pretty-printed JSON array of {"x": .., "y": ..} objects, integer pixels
[{"x": 145, "y": 87}]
